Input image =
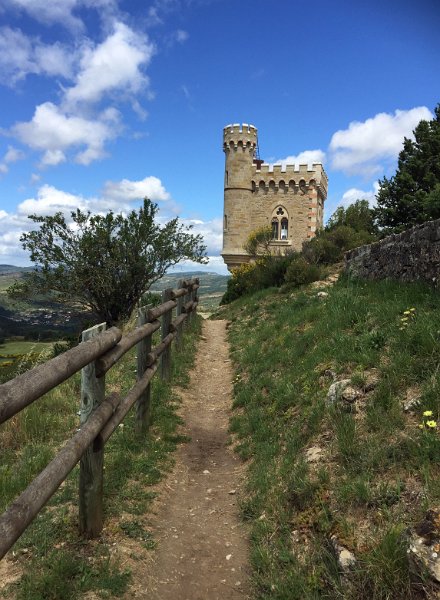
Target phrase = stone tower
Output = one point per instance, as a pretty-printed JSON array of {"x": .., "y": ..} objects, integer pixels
[{"x": 289, "y": 198}]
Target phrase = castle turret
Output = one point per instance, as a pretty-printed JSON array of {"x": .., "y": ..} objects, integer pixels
[
  {"x": 287, "y": 198},
  {"x": 239, "y": 145}
]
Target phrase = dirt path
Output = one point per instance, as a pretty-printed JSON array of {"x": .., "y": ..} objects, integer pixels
[{"x": 202, "y": 549}]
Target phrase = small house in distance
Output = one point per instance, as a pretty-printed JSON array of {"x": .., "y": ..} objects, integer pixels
[{"x": 289, "y": 198}]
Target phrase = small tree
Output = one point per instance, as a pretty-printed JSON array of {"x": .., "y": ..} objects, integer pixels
[
  {"x": 412, "y": 195},
  {"x": 104, "y": 262},
  {"x": 258, "y": 242},
  {"x": 359, "y": 216}
]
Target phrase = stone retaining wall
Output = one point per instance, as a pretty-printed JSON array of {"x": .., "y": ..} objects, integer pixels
[{"x": 408, "y": 256}]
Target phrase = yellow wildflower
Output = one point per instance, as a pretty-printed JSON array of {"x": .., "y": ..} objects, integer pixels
[
  {"x": 431, "y": 424},
  {"x": 427, "y": 413},
  {"x": 407, "y": 312},
  {"x": 412, "y": 309}
]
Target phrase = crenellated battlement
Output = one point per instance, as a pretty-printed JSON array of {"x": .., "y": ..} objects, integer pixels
[
  {"x": 273, "y": 177},
  {"x": 240, "y": 128},
  {"x": 236, "y": 134}
]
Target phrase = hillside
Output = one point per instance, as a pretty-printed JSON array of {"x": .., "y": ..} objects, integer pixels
[
  {"x": 212, "y": 286},
  {"x": 11, "y": 269},
  {"x": 335, "y": 415},
  {"x": 23, "y": 318}
]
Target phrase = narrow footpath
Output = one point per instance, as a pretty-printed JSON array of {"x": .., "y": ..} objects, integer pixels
[{"x": 202, "y": 550}]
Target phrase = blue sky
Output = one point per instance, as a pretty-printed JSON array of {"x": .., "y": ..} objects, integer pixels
[{"x": 105, "y": 101}]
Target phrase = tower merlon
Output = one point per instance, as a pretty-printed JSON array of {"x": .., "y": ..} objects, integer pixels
[{"x": 237, "y": 128}]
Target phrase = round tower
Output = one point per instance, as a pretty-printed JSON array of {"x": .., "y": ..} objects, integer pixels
[{"x": 239, "y": 146}]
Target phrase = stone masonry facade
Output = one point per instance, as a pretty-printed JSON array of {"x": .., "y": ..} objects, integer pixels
[
  {"x": 408, "y": 256},
  {"x": 290, "y": 199}
]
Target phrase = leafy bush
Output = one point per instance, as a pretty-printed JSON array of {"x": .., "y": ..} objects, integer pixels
[
  {"x": 240, "y": 283},
  {"x": 271, "y": 270},
  {"x": 329, "y": 246},
  {"x": 267, "y": 271},
  {"x": 300, "y": 272}
]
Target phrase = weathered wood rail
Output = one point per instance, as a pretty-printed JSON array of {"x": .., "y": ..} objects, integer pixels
[{"x": 100, "y": 415}]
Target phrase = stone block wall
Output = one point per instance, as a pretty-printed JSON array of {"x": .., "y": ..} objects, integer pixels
[
  {"x": 408, "y": 256},
  {"x": 254, "y": 192}
]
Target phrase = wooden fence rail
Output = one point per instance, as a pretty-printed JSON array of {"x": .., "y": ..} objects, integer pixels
[{"x": 99, "y": 415}]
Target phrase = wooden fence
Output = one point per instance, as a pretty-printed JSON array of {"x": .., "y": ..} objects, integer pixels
[{"x": 99, "y": 350}]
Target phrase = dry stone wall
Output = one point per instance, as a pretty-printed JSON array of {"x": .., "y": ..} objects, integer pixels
[{"x": 408, "y": 256}]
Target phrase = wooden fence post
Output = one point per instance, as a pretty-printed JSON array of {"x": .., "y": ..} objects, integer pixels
[
  {"x": 188, "y": 298},
  {"x": 143, "y": 348},
  {"x": 194, "y": 296},
  {"x": 179, "y": 333},
  {"x": 92, "y": 461},
  {"x": 167, "y": 318}
]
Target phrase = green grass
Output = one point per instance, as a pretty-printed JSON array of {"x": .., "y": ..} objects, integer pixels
[
  {"x": 374, "y": 456},
  {"x": 20, "y": 347},
  {"x": 57, "y": 563}
]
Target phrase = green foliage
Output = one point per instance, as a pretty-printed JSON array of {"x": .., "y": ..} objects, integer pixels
[
  {"x": 330, "y": 245},
  {"x": 240, "y": 282},
  {"x": 374, "y": 457},
  {"x": 300, "y": 272},
  {"x": 359, "y": 216},
  {"x": 105, "y": 262},
  {"x": 412, "y": 195},
  {"x": 258, "y": 242},
  {"x": 267, "y": 271}
]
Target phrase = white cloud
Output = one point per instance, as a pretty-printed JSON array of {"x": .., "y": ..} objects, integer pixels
[
  {"x": 185, "y": 91},
  {"x": 127, "y": 190},
  {"x": 61, "y": 12},
  {"x": 21, "y": 55},
  {"x": 353, "y": 194},
  {"x": 12, "y": 155},
  {"x": 49, "y": 12},
  {"x": 11, "y": 228},
  {"x": 364, "y": 146},
  {"x": 115, "y": 195},
  {"x": 181, "y": 36},
  {"x": 308, "y": 157},
  {"x": 52, "y": 158},
  {"x": 115, "y": 64},
  {"x": 55, "y": 59},
  {"x": 212, "y": 232},
  {"x": 50, "y": 200},
  {"x": 54, "y": 132}
]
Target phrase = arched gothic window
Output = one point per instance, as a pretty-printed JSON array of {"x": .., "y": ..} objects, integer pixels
[{"x": 280, "y": 224}]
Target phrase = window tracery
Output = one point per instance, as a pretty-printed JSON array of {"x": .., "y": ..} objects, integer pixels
[{"x": 280, "y": 224}]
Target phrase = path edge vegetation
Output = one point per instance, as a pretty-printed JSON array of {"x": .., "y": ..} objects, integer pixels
[
  {"x": 377, "y": 469},
  {"x": 55, "y": 562}
]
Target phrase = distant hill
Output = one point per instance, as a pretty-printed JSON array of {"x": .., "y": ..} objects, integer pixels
[
  {"x": 212, "y": 286},
  {"x": 8, "y": 269}
]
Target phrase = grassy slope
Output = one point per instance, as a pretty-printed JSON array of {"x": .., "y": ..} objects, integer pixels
[
  {"x": 57, "y": 563},
  {"x": 378, "y": 473}
]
